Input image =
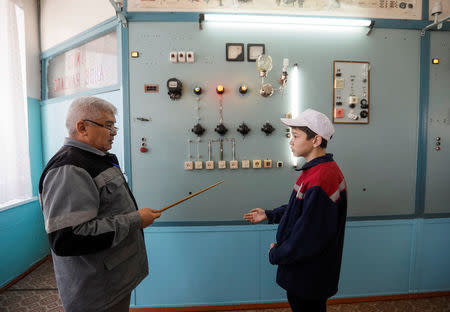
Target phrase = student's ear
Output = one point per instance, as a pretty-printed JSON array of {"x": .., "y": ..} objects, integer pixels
[{"x": 317, "y": 141}]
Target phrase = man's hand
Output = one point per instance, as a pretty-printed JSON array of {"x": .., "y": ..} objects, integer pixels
[
  {"x": 148, "y": 216},
  {"x": 255, "y": 215}
]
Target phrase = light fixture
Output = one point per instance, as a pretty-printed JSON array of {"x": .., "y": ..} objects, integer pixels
[{"x": 276, "y": 19}]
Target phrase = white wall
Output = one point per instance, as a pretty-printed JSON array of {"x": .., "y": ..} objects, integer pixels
[
  {"x": 32, "y": 49},
  {"x": 61, "y": 20}
]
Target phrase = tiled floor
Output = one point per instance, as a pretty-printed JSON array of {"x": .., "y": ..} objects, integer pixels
[{"x": 37, "y": 292}]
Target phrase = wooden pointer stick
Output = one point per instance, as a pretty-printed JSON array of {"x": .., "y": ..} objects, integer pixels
[{"x": 190, "y": 196}]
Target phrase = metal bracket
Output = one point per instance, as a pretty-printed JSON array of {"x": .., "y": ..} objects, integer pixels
[
  {"x": 369, "y": 31},
  {"x": 118, "y": 7},
  {"x": 201, "y": 18},
  {"x": 436, "y": 22}
]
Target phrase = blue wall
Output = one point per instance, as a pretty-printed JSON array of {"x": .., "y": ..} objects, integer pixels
[
  {"x": 218, "y": 265},
  {"x": 23, "y": 240}
]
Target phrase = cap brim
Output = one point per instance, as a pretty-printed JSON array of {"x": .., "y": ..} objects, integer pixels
[{"x": 292, "y": 122}]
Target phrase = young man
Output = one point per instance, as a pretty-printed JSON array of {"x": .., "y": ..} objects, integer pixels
[{"x": 310, "y": 234}]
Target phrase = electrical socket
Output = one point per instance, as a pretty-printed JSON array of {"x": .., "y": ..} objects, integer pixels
[
  {"x": 234, "y": 164},
  {"x": 245, "y": 163},
  {"x": 210, "y": 164},
  {"x": 256, "y": 163},
  {"x": 279, "y": 164},
  {"x": 222, "y": 164},
  {"x": 198, "y": 164},
  {"x": 188, "y": 165},
  {"x": 267, "y": 163}
]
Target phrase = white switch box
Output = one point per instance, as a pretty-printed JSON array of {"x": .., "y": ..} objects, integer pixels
[
  {"x": 279, "y": 164},
  {"x": 234, "y": 164},
  {"x": 245, "y": 163},
  {"x": 181, "y": 57},
  {"x": 222, "y": 164},
  {"x": 210, "y": 164},
  {"x": 256, "y": 163},
  {"x": 198, "y": 164},
  {"x": 267, "y": 163},
  {"x": 173, "y": 56},
  {"x": 188, "y": 165},
  {"x": 190, "y": 56}
]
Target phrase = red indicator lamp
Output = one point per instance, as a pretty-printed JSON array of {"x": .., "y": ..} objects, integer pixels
[{"x": 220, "y": 89}]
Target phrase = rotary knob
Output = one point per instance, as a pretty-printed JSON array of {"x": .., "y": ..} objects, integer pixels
[
  {"x": 198, "y": 129},
  {"x": 243, "y": 129},
  {"x": 267, "y": 128},
  {"x": 221, "y": 129}
]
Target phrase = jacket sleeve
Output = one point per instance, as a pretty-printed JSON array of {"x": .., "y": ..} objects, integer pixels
[
  {"x": 274, "y": 216},
  {"x": 314, "y": 230},
  {"x": 70, "y": 203}
]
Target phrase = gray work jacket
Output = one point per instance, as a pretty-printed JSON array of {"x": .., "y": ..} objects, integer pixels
[{"x": 93, "y": 227}]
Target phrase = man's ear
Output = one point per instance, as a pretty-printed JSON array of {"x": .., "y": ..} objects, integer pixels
[{"x": 81, "y": 127}]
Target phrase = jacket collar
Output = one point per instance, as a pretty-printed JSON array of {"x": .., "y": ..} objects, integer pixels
[
  {"x": 83, "y": 146},
  {"x": 322, "y": 159}
]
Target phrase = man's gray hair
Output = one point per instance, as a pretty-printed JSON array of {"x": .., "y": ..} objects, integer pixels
[{"x": 87, "y": 107}]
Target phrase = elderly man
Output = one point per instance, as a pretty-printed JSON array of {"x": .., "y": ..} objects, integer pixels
[{"x": 91, "y": 217}]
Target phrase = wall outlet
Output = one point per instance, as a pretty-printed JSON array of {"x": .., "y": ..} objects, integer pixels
[
  {"x": 181, "y": 57},
  {"x": 267, "y": 163},
  {"x": 222, "y": 164},
  {"x": 245, "y": 164},
  {"x": 234, "y": 164},
  {"x": 256, "y": 163},
  {"x": 210, "y": 164},
  {"x": 188, "y": 165},
  {"x": 198, "y": 164},
  {"x": 173, "y": 56},
  {"x": 279, "y": 164},
  {"x": 190, "y": 56}
]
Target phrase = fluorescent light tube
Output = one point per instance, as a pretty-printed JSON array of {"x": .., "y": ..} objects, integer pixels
[{"x": 272, "y": 19}]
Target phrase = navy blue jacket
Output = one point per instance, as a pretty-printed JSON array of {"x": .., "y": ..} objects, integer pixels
[{"x": 310, "y": 235}]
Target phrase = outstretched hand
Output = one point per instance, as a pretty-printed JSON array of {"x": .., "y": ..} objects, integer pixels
[{"x": 255, "y": 215}]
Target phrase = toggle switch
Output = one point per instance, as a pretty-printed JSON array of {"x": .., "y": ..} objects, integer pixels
[
  {"x": 181, "y": 57},
  {"x": 245, "y": 164},
  {"x": 173, "y": 57},
  {"x": 190, "y": 56},
  {"x": 198, "y": 165}
]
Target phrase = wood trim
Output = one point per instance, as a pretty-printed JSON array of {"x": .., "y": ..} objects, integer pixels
[
  {"x": 286, "y": 305},
  {"x": 18, "y": 278},
  {"x": 389, "y": 297}
]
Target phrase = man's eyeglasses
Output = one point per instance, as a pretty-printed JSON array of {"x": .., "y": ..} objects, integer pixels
[{"x": 110, "y": 128}]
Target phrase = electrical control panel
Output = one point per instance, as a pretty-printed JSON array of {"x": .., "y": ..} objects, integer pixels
[
  {"x": 212, "y": 114},
  {"x": 351, "y": 92}
]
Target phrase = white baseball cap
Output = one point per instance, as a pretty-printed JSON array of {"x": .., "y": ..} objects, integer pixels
[{"x": 314, "y": 120}]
